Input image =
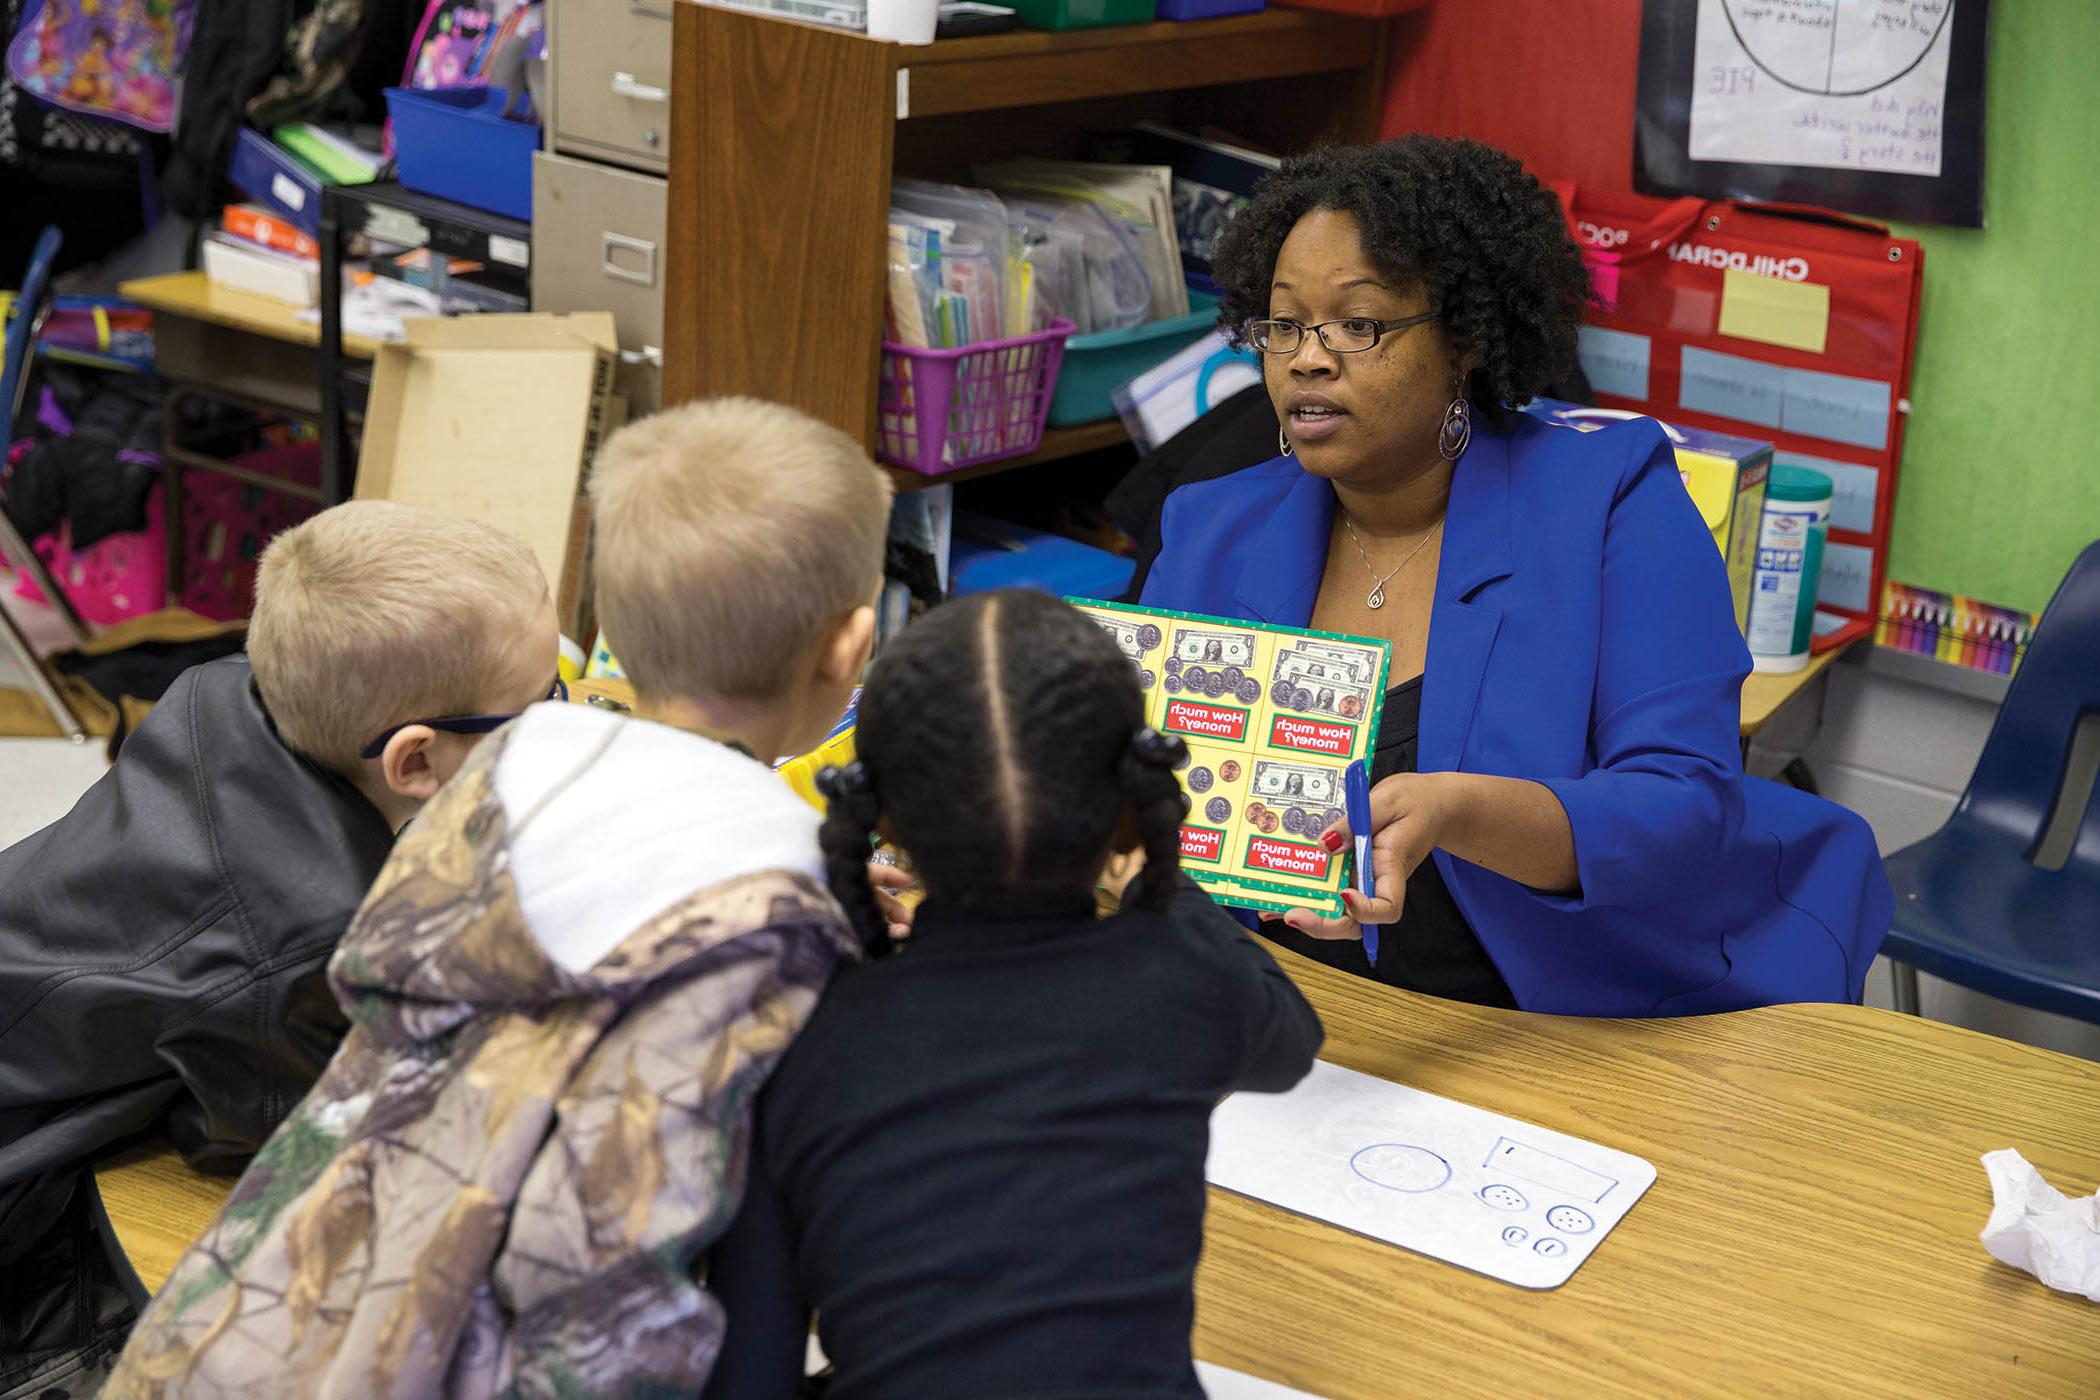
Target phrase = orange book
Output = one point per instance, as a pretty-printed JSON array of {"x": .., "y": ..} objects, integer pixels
[{"x": 259, "y": 226}]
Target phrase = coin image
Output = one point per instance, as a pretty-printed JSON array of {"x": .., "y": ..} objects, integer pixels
[
  {"x": 1351, "y": 707},
  {"x": 1301, "y": 698},
  {"x": 1217, "y": 809},
  {"x": 1146, "y": 680},
  {"x": 1199, "y": 780},
  {"x": 1214, "y": 685},
  {"x": 1281, "y": 692},
  {"x": 1148, "y": 636},
  {"x": 1173, "y": 684},
  {"x": 1294, "y": 821},
  {"x": 1194, "y": 676},
  {"x": 1173, "y": 666},
  {"x": 1229, "y": 770},
  {"x": 1268, "y": 823},
  {"x": 1233, "y": 676},
  {"x": 1250, "y": 691}
]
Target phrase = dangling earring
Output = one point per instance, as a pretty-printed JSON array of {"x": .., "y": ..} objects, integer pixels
[
  {"x": 1283, "y": 442},
  {"x": 1451, "y": 439}
]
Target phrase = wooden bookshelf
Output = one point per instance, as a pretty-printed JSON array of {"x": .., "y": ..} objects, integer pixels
[
  {"x": 1058, "y": 444},
  {"x": 785, "y": 136}
]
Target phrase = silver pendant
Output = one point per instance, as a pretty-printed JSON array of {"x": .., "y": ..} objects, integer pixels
[{"x": 1377, "y": 598}]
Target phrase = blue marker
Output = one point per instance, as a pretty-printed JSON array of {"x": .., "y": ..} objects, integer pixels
[{"x": 1356, "y": 799}]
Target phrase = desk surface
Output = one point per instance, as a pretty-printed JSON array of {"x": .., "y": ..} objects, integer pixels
[
  {"x": 194, "y": 295},
  {"x": 1765, "y": 692},
  {"x": 1813, "y": 1229}
]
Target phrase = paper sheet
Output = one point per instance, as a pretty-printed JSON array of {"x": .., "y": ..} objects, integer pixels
[
  {"x": 1775, "y": 311},
  {"x": 1220, "y": 1383},
  {"x": 1840, "y": 84},
  {"x": 2034, "y": 1226},
  {"x": 1615, "y": 361},
  {"x": 1492, "y": 1194}
]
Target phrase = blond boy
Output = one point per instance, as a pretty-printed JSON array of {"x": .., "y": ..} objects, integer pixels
[
  {"x": 572, "y": 977},
  {"x": 163, "y": 946}
]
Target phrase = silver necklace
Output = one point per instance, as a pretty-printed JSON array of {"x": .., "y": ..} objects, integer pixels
[{"x": 1376, "y": 599}]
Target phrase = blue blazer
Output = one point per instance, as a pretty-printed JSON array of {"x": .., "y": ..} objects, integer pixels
[{"x": 1582, "y": 636}]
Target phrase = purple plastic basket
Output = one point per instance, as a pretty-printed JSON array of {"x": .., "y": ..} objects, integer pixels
[{"x": 943, "y": 410}]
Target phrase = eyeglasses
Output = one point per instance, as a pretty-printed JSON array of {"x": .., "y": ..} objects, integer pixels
[
  {"x": 1344, "y": 337},
  {"x": 458, "y": 724}
]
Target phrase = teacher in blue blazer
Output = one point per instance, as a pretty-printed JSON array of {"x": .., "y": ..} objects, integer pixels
[{"x": 1562, "y": 821}]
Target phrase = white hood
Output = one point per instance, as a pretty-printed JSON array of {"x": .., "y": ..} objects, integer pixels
[{"x": 614, "y": 819}]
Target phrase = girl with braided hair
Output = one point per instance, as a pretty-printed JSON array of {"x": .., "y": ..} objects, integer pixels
[{"x": 987, "y": 1148}]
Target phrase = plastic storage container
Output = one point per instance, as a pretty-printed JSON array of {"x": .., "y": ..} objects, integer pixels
[
  {"x": 1097, "y": 365},
  {"x": 454, "y": 143},
  {"x": 989, "y": 553},
  {"x": 1789, "y": 561},
  {"x": 942, "y": 410},
  {"x": 274, "y": 178},
  {"x": 1208, "y": 9},
  {"x": 119, "y": 576},
  {"x": 1082, "y": 14}
]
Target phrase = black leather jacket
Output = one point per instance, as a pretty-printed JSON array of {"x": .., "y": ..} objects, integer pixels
[{"x": 163, "y": 950}]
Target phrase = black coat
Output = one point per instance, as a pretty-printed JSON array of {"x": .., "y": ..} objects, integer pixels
[{"x": 163, "y": 956}]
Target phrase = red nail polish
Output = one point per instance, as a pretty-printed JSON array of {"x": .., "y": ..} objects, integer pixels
[{"x": 1334, "y": 839}]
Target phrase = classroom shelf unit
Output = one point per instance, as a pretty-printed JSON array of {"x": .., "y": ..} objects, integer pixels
[{"x": 785, "y": 136}]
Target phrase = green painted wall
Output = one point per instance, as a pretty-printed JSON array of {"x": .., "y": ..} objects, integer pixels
[{"x": 2000, "y": 483}]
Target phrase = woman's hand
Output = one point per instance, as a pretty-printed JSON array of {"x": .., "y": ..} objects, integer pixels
[
  {"x": 889, "y": 882},
  {"x": 1409, "y": 813},
  {"x": 1508, "y": 825}
]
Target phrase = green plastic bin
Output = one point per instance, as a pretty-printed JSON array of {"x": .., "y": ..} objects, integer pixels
[
  {"x": 1083, "y": 14},
  {"x": 1097, "y": 365}
]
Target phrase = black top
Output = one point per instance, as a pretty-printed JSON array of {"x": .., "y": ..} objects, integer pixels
[
  {"x": 986, "y": 1156},
  {"x": 1432, "y": 949}
]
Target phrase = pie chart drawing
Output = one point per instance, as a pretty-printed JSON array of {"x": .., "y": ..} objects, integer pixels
[{"x": 1837, "y": 48}]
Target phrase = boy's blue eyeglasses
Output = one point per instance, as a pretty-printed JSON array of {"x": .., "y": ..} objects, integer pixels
[{"x": 458, "y": 724}]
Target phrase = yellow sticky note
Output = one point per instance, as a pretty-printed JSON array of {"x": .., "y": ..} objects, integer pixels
[{"x": 1793, "y": 314}]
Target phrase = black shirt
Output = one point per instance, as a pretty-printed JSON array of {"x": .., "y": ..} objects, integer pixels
[
  {"x": 1432, "y": 949},
  {"x": 986, "y": 1156}
]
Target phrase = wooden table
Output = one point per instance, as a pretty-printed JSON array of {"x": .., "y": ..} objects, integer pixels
[
  {"x": 1766, "y": 693},
  {"x": 1813, "y": 1229}
]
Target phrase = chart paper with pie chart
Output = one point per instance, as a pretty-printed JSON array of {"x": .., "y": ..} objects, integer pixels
[
  {"x": 1869, "y": 106},
  {"x": 1271, "y": 716}
]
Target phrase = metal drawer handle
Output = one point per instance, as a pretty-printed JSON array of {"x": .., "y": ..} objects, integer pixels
[
  {"x": 610, "y": 244},
  {"x": 627, "y": 85}
]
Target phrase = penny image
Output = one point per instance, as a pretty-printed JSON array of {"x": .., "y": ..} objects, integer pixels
[{"x": 1229, "y": 770}]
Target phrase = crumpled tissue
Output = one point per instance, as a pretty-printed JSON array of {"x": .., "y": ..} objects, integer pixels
[{"x": 2034, "y": 1226}]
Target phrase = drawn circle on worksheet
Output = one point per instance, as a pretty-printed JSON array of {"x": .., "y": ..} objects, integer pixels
[
  {"x": 1859, "y": 57},
  {"x": 1399, "y": 1166}
]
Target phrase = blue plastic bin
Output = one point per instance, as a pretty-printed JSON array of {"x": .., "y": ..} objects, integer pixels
[
  {"x": 274, "y": 178},
  {"x": 1097, "y": 365},
  {"x": 454, "y": 143},
  {"x": 988, "y": 554},
  {"x": 1208, "y": 9}
]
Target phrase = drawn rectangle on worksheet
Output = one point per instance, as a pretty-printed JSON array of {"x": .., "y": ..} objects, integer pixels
[
  {"x": 1615, "y": 361},
  {"x": 1492, "y": 1194}
]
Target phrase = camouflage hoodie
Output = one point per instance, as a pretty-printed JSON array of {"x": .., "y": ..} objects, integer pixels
[{"x": 506, "y": 1178}]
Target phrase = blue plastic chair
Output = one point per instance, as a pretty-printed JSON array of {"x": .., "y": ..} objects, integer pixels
[{"x": 1971, "y": 904}]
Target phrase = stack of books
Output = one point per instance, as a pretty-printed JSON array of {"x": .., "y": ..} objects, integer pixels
[{"x": 265, "y": 245}]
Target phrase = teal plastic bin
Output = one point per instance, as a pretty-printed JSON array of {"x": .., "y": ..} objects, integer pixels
[{"x": 1097, "y": 365}]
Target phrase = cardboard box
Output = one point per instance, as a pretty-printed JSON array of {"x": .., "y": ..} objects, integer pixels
[
  {"x": 497, "y": 418},
  {"x": 1725, "y": 476}
]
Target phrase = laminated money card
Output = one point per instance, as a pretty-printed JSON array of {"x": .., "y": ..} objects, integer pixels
[{"x": 1271, "y": 716}]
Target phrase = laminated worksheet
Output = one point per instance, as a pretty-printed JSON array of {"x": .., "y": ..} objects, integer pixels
[{"x": 1272, "y": 716}]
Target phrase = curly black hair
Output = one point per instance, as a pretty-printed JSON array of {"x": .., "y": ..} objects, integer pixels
[
  {"x": 1464, "y": 221},
  {"x": 1001, "y": 736}
]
